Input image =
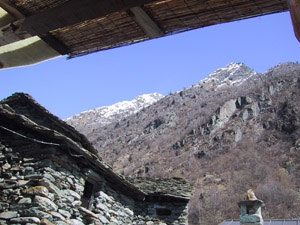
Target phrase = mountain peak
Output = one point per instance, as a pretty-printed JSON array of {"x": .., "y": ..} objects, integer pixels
[
  {"x": 233, "y": 74},
  {"x": 147, "y": 99}
]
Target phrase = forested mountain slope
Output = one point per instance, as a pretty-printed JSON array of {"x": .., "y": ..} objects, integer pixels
[{"x": 235, "y": 130}]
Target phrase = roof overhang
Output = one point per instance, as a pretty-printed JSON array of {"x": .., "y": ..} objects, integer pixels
[
  {"x": 26, "y": 52},
  {"x": 76, "y": 27}
]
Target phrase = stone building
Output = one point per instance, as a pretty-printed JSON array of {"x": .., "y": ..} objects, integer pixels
[
  {"x": 51, "y": 174},
  {"x": 250, "y": 214}
]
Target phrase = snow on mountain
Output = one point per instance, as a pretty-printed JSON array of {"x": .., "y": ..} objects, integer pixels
[
  {"x": 233, "y": 74},
  {"x": 107, "y": 114}
]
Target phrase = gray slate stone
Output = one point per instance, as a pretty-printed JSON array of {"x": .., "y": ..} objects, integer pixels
[
  {"x": 49, "y": 177},
  {"x": 45, "y": 203},
  {"x": 35, "y": 212},
  {"x": 18, "y": 207},
  {"x": 28, "y": 170},
  {"x": 76, "y": 222},
  {"x": 72, "y": 193},
  {"x": 57, "y": 215},
  {"x": 108, "y": 198},
  {"x": 70, "y": 198},
  {"x": 101, "y": 206},
  {"x": 250, "y": 219},
  {"x": 3, "y": 206},
  {"x": 51, "y": 187},
  {"x": 128, "y": 211},
  {"x": 60, "y": 223},
  {"x": 33, "y": 176},
  {"x": 8, "y": 214},
  {"x": 25, "y": 201},
  {"x": 76, "y": 203},
  {"x": 26, "y": 220},
  {"x": 114, "y": 220},
  {"x": 64, "y": 213},
  {"x": 70, "y": 181},
  {"x": 79, "y": 188},
  {"x": 103, "y": 219}
]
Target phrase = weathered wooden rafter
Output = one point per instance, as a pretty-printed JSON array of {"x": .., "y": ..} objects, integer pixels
[
  {"x": 76, "y": 11},
  {"x": 294, "y": 6},
  {"x": 11, "y": 10},
  {"x": 147, "y": 24}
]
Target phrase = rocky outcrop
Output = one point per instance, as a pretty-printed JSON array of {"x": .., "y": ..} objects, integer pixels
[{"x": 197, "y": 121}]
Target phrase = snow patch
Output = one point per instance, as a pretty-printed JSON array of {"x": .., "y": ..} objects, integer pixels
[{"x": 107, "y": 114}]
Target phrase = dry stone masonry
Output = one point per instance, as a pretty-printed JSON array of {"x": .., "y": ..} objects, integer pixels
[{"x": 49, "y": 175}]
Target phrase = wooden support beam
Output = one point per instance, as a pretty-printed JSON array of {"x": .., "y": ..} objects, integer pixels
[
  {"x": 150, "y": 27},
  {"x": 294, "y": 6},
  {"x": 74, "y": 12},
  {"x": 11, "y": 10}
]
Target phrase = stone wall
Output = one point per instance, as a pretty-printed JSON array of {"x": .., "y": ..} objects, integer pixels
[
  {"x": 42, "y": 184},
  {"x": 120, "y": 209}
]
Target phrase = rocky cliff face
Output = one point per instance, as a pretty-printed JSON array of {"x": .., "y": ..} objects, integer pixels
[
  {"x": 236, "y": 129},
  {"x": 173, "y": 125}
]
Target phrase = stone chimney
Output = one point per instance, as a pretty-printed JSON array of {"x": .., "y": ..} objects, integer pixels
[{"x": 251, "y": 210}]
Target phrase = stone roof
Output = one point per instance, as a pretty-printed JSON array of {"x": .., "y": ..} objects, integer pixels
[
  {"x": 167, "y": 187},
  {"x": 24, "y": 104},
  {"x": 22, "y": 116}
]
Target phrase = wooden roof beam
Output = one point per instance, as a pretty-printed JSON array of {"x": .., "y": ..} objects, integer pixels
[
  {"x": 149, "y": 26},
  {"x": 74, "y": 12},
  {"x": 11, "y": 32},
  {"x": 11, "y": 10},
  {"x": 294, "y": 6}
]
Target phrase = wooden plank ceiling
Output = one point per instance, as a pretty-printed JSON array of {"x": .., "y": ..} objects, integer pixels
[{"x": 79, "y": 27}]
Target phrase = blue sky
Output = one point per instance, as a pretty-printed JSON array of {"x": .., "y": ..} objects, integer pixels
[{"x": 164, "y": 65}]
